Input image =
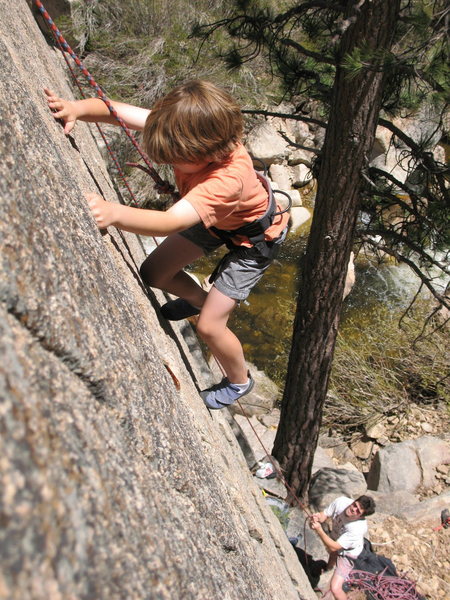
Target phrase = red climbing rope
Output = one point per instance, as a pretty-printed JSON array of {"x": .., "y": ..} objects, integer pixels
[
  {"x": 384, "y": 587},
  {"x": 163, "y": 186},
  {"x": 134, "y": 201}
]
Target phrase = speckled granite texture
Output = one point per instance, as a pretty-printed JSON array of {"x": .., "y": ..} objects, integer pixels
[{"x": 115, "y": 484}]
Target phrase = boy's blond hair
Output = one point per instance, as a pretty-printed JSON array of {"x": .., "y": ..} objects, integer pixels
[{"x": 196, "y": 121}]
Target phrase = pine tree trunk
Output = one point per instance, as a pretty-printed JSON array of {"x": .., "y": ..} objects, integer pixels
[{"x": 350, "y": 134}]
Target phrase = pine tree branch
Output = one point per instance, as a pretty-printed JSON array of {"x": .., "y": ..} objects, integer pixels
[
  {"x": 401, "y": 239},
  {"x": 320, "y": 58},
  {"x": 406, "y": 139},
  {"x": 299, "y": 146},
  {"x": 302, "y": 7},
  {"x": 411, "y": 208},
  {"x": 405, "y": 187},
  {"x": 268, "y": 113}
]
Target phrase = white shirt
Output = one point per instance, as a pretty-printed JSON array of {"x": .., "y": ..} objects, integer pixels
[{"x": 349, "y": 534}]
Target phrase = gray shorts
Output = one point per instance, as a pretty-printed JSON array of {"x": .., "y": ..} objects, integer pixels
[{"x": 240, "y": 270}]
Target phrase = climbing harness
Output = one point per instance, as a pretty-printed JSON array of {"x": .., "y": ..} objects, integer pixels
[
  {"x": 255, "y": 231},
  {"x": 162, "y": 185}
]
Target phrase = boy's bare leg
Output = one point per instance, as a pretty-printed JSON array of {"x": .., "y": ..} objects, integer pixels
[
  {"x": 212, "y": 328},
  {"x": 163, "y": 269}
]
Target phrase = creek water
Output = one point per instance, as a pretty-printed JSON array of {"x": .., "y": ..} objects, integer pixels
[{"x": 264, "y": 323}]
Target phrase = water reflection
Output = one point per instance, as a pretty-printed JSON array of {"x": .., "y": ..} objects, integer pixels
[{"x": 264, "y": 323}]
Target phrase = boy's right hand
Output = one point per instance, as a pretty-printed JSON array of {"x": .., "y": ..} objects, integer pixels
[{"x": 62, "y": 109}]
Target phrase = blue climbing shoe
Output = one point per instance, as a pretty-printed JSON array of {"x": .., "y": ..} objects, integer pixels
[
  {"x": 225, "y": 393},
  {"x": 178, "y": 309}
]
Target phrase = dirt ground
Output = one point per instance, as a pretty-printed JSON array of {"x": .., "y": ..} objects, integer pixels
[{"x": 418, "y": 552}]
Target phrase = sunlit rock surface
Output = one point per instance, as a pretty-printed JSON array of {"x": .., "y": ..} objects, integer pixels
[{"x": 115, "y": 481}]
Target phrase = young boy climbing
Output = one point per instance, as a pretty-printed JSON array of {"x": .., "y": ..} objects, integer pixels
[{"x": 197, "y": 129}]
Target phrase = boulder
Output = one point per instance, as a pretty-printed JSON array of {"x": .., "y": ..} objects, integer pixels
[
  {"x": 299, "y": 216},
  {"x": 375, "y": 430},
  {"x": 329, "y": 483},
  {"x": 381, "y": 143},
  {"x": 319, "y": 137},
  {"x": 322, "y": 460},
  {"x": 408, "y": 465},
  {"x": 392, "y": 503},
  {"x": 281, "y": 176},
  {"x": 431, "y": 452},
  {"x": 426, "y": 427},
  {"x": 264, "y": 142},
  {"x": 294, "y": 195},
  {"x": 362, "y": 448},
  {"x": 337, "y": 448},
  {"x": 301, "y": 174},
  {"x": 428, "y": 510},
  {"x": 302, "y": 133},
  {"x": 395, "y": 468},
  {"x": 348, "y": 466}
]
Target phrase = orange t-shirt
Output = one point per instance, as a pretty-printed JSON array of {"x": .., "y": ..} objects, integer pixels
[{"x": 228, "y": 194}]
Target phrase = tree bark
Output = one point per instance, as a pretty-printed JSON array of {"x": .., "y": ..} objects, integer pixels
[{"x": 350, "y": 134}]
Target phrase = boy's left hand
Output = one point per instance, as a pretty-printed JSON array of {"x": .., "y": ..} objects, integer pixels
[{"x": 102, "y": 211}]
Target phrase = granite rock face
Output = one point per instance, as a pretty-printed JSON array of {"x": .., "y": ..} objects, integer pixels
[{"x": 115, "y": 481}]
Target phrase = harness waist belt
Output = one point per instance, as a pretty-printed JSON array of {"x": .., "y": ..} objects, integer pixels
[{"x": 255, "y": 231}]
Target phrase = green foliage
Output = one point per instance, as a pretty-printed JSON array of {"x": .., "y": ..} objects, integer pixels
[
  {"x": 259, "y": 30},
  {"x": 142, "y": 48},
  {"x": 382, "y": 369},
  {"x": 365, "y": 57}
]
